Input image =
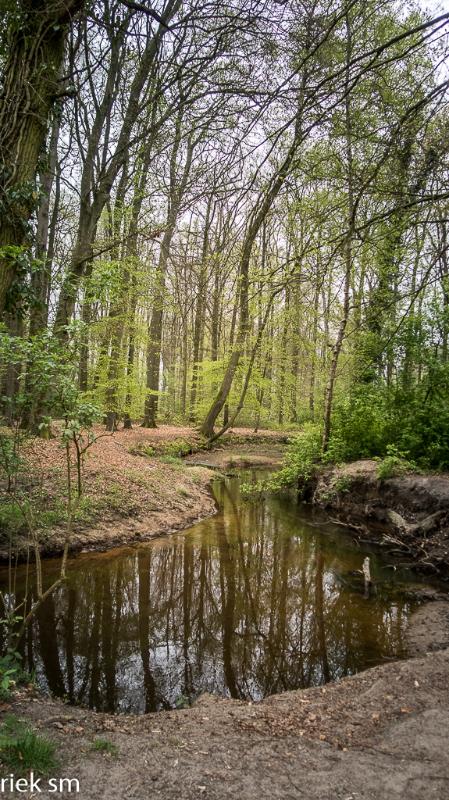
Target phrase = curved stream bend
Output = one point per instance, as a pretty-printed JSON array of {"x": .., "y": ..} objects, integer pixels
[{"x": 256, "y": 600}]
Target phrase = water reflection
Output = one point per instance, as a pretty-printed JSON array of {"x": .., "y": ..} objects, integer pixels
[{"x": 247, "y": 604}]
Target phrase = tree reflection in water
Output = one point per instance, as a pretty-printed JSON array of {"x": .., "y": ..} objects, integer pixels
[{"x": 247, "y": 604}]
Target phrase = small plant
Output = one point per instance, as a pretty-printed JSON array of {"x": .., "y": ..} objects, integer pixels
[
  {"x": 173, "y": 460},
  {"x": 182, "y": 701},
  {"x": 11, "y": 672},
  {"x": 178, "y": 447},
  {"x": 22, "y": 750},
  {"x": 143, "y": 450},
  {"x": 394, "y": 464},
  {"x": 104, "y": 746},
  {"x": 254, "y": 491},
  {"x": 340, "y": 485}
]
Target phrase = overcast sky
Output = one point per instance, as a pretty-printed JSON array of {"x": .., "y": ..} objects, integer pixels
[{"x": 435, "y": 5}]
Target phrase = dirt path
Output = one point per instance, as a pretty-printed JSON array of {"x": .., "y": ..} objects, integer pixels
[{"x": 380, "y": 735}]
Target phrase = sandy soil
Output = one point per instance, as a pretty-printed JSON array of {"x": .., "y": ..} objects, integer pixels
[{"x": 380, "y": 735}]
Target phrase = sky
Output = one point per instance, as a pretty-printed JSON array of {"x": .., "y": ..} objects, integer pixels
[{"x": 435, "y": 5}]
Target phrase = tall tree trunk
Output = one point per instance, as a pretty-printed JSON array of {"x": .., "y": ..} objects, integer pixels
[
  {"x": 178, "y": 185},
  {"x": 40, "y": 278},
  {"x": 336, "y": 350},
  {"x": 258, "y": 216},
  {"x": 200, "y": 307},
  {"x": 96, "y": 190},
  {"x": 30, "y": 88}
]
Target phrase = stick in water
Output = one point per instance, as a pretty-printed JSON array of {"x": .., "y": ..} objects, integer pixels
[{"x": 366, "y": 575}]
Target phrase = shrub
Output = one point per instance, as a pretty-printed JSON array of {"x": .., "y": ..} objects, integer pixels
[
  {"x": 11, "y": 669},
  {"x": 301, "y": 459},
  {"x": 394, "y": 464}
]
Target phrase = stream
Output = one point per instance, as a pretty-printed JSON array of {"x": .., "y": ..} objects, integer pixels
[{"x": 258, "y": 599}]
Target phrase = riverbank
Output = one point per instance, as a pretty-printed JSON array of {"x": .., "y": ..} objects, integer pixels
[
  {"x": 407, "y": 515},
  {"x": 381, "y": 733},
  {"x": 137, "y": 485}
]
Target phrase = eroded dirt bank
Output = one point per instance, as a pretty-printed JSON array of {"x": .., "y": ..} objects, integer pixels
[
  {"x": 380, "y": 734},
  {"x": 407, "y": 515}
]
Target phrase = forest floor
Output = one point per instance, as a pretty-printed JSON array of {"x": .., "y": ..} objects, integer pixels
[
  {"x": 135, "y": 484},
  {"x": 377, "y": 735}
]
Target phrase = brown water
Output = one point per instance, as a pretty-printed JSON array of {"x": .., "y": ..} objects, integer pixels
[{"x": 255, "y": 600}]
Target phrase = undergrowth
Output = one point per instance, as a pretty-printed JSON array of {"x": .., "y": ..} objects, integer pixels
[{"x": 22, "y": 750}]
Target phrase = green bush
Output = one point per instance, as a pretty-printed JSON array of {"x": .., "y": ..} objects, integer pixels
[
  {"x": 394, "y": 464},
  {"x": 178, "y": 448},
  {"x": 11, "y": 672},
  {"x": 373, "y": 417},
  {"x": 300, "y": 461},
  {"x": 360, "y": 425}
]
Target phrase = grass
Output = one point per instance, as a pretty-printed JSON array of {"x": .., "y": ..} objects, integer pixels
[
  {"x": 104, "y": 746},
  {"x": 22, "y": 750},
  {"x": 174, "y": 461}
]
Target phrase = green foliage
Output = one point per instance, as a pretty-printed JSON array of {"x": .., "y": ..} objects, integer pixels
[
  {"x": 300, "y": 461},
  {"x": 48, "y": 389},
  {"x": 394, "y": 464},
  {"x": 22, "y": 750},
  {"x": 143, "y": 450},
  {"x": 340, "y": 485},
  {"x": 358, "y": 425},
  {"x": 175, "y": 461},
  {"x": 20, "y": 296},
  {"x": 414, "y": 419},
  {"x": 105, "y": 746},
  {"x": 11, "y": 516},
  {"x": 178, "y": 448},
  {"x": 182, "y": 701},
  {"x": 12, "y": 673},
  {"x": 174, "y": 449},
  {"x": 303, "y": 454}
]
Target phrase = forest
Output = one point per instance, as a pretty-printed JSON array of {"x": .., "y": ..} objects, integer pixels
[
  {"x": 214, "y": 213},
  {"x": 224, "y": 310}
]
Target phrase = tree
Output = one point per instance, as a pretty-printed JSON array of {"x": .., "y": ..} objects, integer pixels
[{"x": 31, "y": 84}]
